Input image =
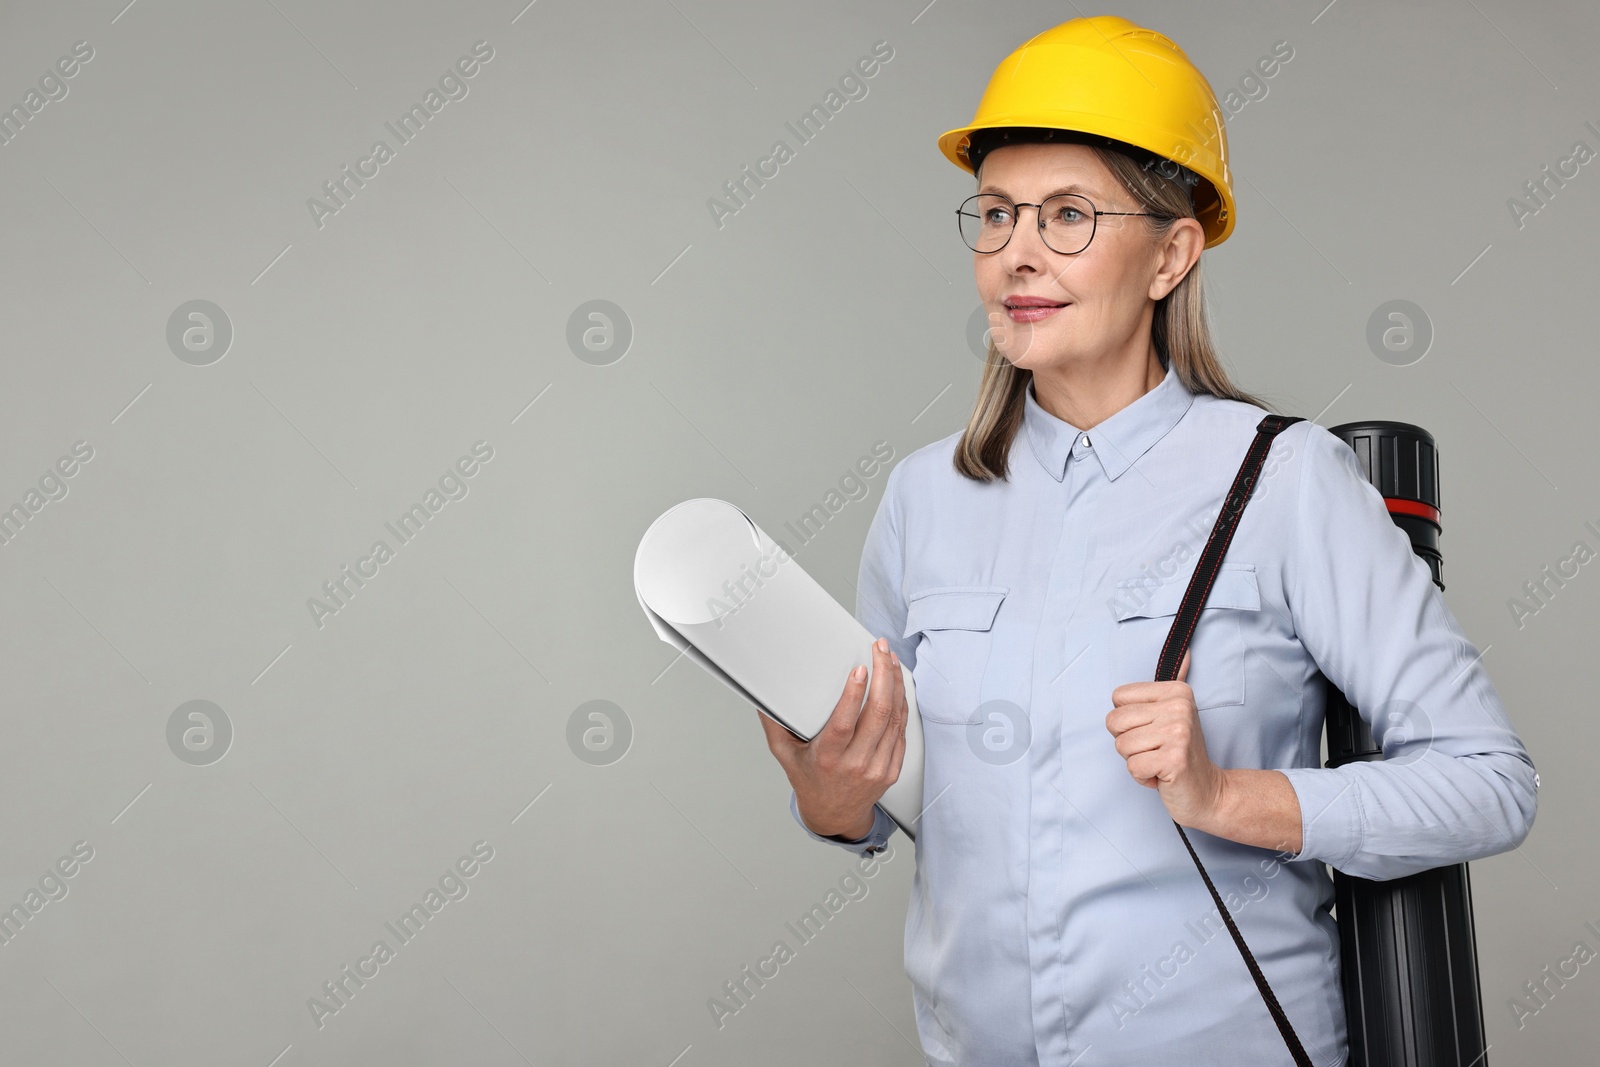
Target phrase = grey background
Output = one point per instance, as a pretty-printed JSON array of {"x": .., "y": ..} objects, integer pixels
[{"x": 767, "y": 356}]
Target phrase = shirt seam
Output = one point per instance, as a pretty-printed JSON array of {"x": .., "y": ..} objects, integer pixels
[
  {"x": 1358, "y": 836},
  {"x": 1291, "y": 572}
]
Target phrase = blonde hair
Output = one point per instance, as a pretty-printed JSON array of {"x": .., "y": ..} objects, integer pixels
[{"x": 1179, "y": 329}]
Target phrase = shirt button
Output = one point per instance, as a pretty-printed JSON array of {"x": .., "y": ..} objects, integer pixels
[{"x": 1084, "y": 441}]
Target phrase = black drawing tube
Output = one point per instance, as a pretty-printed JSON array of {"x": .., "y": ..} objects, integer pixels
[{"x": 1409, "y": 957}]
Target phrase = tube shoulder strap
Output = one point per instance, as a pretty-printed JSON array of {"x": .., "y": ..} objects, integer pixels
[{"x": 1194, "y": 598}]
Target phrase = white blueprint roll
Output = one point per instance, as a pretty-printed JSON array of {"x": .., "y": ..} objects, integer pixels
[{"x": 715, "y": 586}]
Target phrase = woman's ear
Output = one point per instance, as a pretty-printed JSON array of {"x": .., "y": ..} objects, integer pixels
[{"x": 1176, "y": 254}]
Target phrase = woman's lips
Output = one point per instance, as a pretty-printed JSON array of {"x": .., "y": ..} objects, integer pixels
[{"x": 1032, "y": 314}]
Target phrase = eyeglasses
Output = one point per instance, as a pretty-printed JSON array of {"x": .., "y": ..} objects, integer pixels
[{"x": 1066, "y": 221}]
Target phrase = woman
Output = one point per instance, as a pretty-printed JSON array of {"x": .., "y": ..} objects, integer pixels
[{"x": 1028, "y": 570}]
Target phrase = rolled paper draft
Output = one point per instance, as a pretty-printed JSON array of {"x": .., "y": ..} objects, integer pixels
[{"x": 716, "y": 587}]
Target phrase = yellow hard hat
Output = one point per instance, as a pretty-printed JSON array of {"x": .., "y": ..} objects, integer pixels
[{"x": 1109, "y": 77}]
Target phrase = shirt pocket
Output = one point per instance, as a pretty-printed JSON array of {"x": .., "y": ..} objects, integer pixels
[
  {"x": 954, "y": 629},
  {"x": 1144, "y": 610}
]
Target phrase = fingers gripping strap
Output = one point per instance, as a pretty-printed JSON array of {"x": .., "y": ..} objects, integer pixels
[{"x": 1194, "y": 598}]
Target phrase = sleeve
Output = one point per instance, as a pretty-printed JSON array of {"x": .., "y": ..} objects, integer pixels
[
  {"x": 880, "y": 592},
  {"x": 877, "y": 838},
  {"x": 881, "y": 608},
  {"x": 1456, "y": 783}
]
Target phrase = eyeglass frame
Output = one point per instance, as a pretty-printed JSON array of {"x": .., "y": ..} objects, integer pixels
[{"x": 1094, "y": 225}]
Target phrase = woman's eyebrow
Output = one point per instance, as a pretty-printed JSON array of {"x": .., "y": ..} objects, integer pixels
[{"x": 1074, "y": 187}]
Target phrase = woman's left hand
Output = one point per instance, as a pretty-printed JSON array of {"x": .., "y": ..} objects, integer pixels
[{"x": 1157, "y": 730}]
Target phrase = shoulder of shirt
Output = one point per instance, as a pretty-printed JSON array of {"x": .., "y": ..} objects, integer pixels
[
  {"x": 932, "y": 459},
  {"x": 1311, "y": 453},
  {"x": 1235, "y": 419}
]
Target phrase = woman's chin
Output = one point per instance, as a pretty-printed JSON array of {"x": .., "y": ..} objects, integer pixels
[{"x": 1029, "y": 357}]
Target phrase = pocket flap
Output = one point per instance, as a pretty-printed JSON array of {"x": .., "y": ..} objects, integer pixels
[
  {"x": 1235, "y": 587},
  {"x": 954, "y": 608}
]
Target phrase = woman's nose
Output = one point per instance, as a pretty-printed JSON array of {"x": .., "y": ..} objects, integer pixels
[{"x": 1026, "y": 247}]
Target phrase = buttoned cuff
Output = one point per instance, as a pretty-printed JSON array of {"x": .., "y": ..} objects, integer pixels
[
  {"x": 1330, "y": 814},
  {"x": 877, "y": 838}
]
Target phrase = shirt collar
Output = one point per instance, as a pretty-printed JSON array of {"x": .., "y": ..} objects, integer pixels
[{"x": 1117, "y": 441}]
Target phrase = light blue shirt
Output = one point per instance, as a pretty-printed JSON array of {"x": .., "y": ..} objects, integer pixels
[{"x": 1055, "y": 917}]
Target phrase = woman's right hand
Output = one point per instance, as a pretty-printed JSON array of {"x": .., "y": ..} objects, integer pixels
[{"x": 852, "y": 761}]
